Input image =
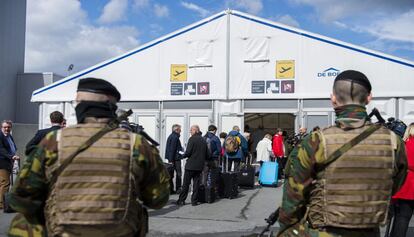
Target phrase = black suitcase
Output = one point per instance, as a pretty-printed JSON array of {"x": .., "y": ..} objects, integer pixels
[
  {"x": 228, "y": 185},
  {"x": 213, "y": 177},
  {"x": 206, "y": 194},
  {"x": 247, "y": 175}
]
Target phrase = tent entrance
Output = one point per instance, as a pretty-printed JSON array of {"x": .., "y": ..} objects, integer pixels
[
  {"x": 269, "y": 122},
  {"x": 262, "y": 123}
]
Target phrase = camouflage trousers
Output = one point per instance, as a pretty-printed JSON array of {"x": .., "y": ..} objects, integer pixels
[
  {"x": 304, "y": 230},
  {"x": 20, "y": 227}
]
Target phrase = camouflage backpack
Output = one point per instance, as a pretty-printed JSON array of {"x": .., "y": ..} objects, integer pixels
[{"x": 232, "y": 144}]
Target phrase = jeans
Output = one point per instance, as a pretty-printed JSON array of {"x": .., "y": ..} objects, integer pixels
[{"x": 403, "y": 212}]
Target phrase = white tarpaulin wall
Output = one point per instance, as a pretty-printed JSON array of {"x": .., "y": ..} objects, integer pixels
[
  {"x": 308, "y": 63},
  {"x": 233, "y": 55},
  {"x": 144, "y": 74}
]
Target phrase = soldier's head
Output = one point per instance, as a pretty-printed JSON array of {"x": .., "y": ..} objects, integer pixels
[
  {"x": 98, "y": 90},
  {"x": 56, "y": 118},
  {"x": 351, "y": 87},
  {"x": 96, "y": 98},
  {"x": 195, "y": 129}
]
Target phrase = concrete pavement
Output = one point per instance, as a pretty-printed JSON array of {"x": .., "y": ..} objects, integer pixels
[{"x": 224, "y": 218}]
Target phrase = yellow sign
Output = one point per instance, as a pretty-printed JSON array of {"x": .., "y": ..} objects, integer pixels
[
  {"x": 285, "y": 69},
  {"x": 178, "y": 72}
]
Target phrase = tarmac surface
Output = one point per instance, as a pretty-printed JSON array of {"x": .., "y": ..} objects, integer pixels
[{"x": 241, "y": 216}]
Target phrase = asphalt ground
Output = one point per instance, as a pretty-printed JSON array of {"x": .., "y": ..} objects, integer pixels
[{"x": 241, "y": 216}]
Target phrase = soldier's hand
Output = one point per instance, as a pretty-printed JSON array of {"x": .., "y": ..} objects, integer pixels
[{"x": 16, "y": 158}]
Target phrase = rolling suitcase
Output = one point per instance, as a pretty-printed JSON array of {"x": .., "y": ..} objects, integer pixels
[
  {"x": 206, "y": 194},
  {"x": 228, "y": 185},
  {"x": 268, "y": 174},
  {"x": 247, "y": 174}
]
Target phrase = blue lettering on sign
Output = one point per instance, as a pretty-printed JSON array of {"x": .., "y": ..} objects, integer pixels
[{"x": 328, "y": 73}]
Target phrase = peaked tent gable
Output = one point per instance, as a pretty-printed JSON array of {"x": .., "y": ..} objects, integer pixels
[
  {"x": 324, "y": 39},
  {"x": 310, "y": 39},
  {"x": 40, "y": 94},
  {"x": 273, "y": 61}
]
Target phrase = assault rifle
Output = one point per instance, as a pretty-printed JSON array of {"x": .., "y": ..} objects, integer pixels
[
  {"x": 139, "y": 129},
  {"x": 134, "y": 127},
  {"x": 271, "y": 220},
  {"x": 395, "y": 125},
  {"x": 398, "y": 127}
]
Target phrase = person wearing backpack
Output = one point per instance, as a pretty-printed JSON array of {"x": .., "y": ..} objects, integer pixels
[{"x": 236, "y": 148}]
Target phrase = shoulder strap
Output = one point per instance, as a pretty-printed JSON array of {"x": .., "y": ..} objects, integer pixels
[
  {"x": 353, "y": 142},
  {"x": 112, "y": 125}
]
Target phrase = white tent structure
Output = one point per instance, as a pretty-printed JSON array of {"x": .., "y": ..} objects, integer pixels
[{"x": 230, "y": 65}]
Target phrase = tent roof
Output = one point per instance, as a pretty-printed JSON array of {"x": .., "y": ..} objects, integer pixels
[{"x": 41, "y": 94}]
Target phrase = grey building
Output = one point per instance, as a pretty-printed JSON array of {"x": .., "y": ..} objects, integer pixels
[{"x": 12, "y": 48}]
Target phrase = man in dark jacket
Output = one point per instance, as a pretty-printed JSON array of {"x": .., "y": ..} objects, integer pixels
[
  {"x": 214, "y": 149},
  {"x": 213, "y": 143},
  {"x": 197, "y": 152},
  {"x": 7, "y": 156},
  {"x": 172, "y": 154},
  {"x": 56, "y": 118}
]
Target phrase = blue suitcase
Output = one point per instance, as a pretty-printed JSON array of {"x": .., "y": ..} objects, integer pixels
[{"x": 268, "y": 173}]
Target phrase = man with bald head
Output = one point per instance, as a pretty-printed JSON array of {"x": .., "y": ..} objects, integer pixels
[
  {"x": 339, "y": 180},
  {"x": 197, "y": 153},
  {"x": 97, "y": 192}
]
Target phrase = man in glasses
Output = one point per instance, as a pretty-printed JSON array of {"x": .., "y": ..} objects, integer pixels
[{"x": 7, "y": 156}]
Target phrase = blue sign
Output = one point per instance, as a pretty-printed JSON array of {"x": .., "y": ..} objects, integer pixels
[{"x": 329, "y": 73}]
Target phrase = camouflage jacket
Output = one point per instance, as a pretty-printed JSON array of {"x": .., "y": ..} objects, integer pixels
[
  {"x": 31, "y": 190},
  {"x": 301, "y": 169}
]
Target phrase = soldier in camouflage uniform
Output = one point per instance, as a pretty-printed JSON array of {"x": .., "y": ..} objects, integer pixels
[
  {"x": 350, "y": 196},
  {"x": 97, "y": 193}
]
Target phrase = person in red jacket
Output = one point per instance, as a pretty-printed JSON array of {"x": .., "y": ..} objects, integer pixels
[
  {"x": 404, "y": 198},
  {"x": 279, "y": 151}
]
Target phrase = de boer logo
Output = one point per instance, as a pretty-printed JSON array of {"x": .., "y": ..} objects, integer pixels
[{"x": 328, "y": 73}]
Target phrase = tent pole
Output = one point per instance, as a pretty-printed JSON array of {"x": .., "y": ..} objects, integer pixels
[{"x": 228, "y": 55}]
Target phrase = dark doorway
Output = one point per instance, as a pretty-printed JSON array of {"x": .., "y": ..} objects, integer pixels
[{"x": 262, "y": 123}]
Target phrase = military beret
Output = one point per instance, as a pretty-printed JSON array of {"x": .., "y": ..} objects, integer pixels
[
  {"x": 98, "y": 86},
  {"x": 356, "y": 77}
]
